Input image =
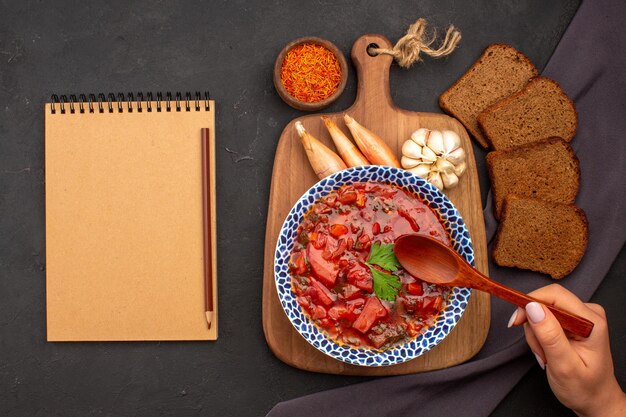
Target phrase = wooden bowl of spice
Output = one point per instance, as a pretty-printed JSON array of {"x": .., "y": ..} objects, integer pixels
[{"x": 310, "y": 73}]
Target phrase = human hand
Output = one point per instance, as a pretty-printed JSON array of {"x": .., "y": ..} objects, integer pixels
[{"x": 580, "y": 370}]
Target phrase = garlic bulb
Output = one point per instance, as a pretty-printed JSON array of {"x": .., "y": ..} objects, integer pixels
[{"x": 436, "y": 156}]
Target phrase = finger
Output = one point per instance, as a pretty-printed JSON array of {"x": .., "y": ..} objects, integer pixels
[
  {"x": 517, "y": 318},
  {"x": 598, "y": 309},
  {"x": 556, "y": 295},
  {"x": 598, "y": 340},
  {"x": 559, "y": 354},
  {"x": 534, "y": 345}
]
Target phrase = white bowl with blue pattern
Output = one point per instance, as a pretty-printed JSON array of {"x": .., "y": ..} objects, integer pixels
[{"x": 364, "y": 356}]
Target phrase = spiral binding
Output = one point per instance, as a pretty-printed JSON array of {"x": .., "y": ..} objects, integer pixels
[{"x": 111, "y": 103}]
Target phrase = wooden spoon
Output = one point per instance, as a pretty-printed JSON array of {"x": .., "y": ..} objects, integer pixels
[{"x": 432, "y": 261}]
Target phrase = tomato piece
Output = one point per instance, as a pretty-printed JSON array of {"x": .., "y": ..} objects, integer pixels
[
  {"x": 327, "y": 253},
  {"x": 337, "y": 312},
  {"x": 363, "y": 243},
  {"x": 372, "y": 311},
  {"x": 347, "y": 195},
  {"x": 312, "y": 297},
  {"x": 360, "y": 200},
  {"x": 342, "y": 245},
  {"x": 376, "y": 228},
  {"x": 413, "y": 329},
  {"x": 381, "y": 312},
  {"x": 410, "y": 219},
  {"x": 427, "y": 303},
  {"x": 355, "y": 305},
  {"x": 432, "y": 304},
  {"x": 415, "y": 288},
  {"x": 324, "y": 295},
  {"x": 318, "y": 312},
  {"x": 338, "y": 230},
  {"x": 301, "y": 266},
  {"x": 349, "y": 291},
  {"x": 361, "y": 277},
  {"x": 322, "y": 268},
  {"x": 298, "y": 263},
  {"x": 438, "y": 303},
  {"x": 320, "y": 240},
  {"x": 303, "y": 302},
  {"x": 348, "y": 311}
]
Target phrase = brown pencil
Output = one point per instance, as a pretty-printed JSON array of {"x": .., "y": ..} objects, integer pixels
[{"x": 206, "y": 203}]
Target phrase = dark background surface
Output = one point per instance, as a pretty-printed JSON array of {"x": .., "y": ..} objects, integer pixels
[{"x": 228, "y": 47}]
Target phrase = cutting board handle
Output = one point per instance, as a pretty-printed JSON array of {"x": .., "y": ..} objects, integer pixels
[{"x": 372, "y": 71}]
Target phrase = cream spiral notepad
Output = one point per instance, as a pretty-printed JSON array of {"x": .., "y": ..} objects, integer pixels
[{"x": 124, "y": 220}]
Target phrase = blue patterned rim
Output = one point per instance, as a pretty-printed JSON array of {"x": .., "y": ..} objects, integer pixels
[{"x": 455, "y": 304}]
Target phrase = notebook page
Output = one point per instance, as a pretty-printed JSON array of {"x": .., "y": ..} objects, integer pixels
[{"x": 124, "y": 225}]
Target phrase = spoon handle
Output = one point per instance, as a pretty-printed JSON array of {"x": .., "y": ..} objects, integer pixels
[{"x": 570, "y": 322}]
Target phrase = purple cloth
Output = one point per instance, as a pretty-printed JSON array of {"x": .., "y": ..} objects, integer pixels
[{"x": 589, "y": 63}]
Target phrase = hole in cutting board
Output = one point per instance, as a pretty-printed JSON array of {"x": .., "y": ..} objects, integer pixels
[{"x": 370, "y": 47}]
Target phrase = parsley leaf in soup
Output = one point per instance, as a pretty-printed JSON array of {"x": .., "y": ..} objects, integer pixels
[
  {"x": 383, "y": 256},
  {"x": 385, "y": 285}
]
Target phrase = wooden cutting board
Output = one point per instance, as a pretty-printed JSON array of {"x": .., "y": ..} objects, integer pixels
[{"x": 292, "y": 176}]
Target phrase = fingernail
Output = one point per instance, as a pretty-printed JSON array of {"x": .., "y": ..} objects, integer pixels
[
  {"x": 535, "y": 312},
  {"x": 512, "y": 319},
  {"x": 541, "y": 364}
]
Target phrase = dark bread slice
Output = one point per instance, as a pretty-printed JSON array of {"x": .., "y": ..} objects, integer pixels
[
  {"x": 541, "y": 236},
  {"x": 540, "y": 110},
  {"x": 547, "y": 169},
  {"x": 500, "y": 71}
]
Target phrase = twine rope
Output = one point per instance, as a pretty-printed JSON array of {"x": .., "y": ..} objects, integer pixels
[{"x": 409, "y": 47}]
